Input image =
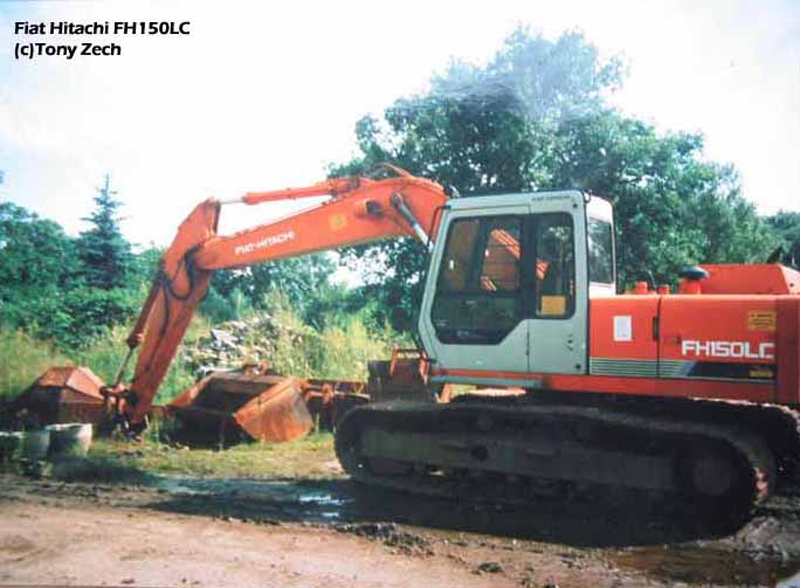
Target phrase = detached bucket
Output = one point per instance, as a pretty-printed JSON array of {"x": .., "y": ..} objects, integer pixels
[
  {"x": 265, "y": 407},
  {"x": 35, "y": 445},
  {"x": 71, "y": 439},
  {"x": 9, "y": 444}
]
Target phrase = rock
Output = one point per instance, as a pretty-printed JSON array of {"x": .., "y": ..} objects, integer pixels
[
  {"x": 389, "y": 535},
  {"x": 231, "y": 344},
  {"x": 490, "y": 567}
]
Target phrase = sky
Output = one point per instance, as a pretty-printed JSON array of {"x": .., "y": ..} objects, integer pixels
[{"x": 264, "y": 95}]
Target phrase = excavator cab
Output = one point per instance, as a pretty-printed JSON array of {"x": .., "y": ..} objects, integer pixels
[{"x": 509, "y": 285}]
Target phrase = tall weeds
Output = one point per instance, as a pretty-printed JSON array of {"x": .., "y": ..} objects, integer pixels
[
  {"x": 340, "y": 351},
  {"x": 22, "y": 360}
]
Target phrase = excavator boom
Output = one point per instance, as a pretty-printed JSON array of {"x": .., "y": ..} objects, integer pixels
[{"x": 360, "y": 210}]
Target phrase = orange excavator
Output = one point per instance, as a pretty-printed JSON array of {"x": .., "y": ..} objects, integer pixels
[{"x": 691, "y": 395}]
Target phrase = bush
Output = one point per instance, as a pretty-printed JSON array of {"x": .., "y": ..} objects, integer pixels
[{"x": 74, "y": 319}]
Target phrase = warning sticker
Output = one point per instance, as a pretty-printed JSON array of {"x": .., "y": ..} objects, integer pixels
[
  {"x": 623, "y": 328},
  {"x": 761, "y": 320}
]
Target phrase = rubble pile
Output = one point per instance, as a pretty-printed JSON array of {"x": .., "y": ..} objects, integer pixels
[{"x": 255, "y": 340}]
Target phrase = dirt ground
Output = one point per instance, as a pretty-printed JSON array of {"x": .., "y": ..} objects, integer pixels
[{"x": 215, "y": 532}]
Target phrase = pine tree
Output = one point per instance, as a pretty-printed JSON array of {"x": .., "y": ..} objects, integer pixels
[{"x": 105, "y": 256}]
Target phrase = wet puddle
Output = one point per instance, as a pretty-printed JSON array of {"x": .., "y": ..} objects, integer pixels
[
  {"x": 703, "y": 566},
  {"x": 299, "y": 501},
  {"x": 657, "y": 548},
  {"x": 790, "y": 582}
]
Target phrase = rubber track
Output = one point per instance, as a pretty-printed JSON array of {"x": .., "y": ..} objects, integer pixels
[{"x": 401, "y": 416}]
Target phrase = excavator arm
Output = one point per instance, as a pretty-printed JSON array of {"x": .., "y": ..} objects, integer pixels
[{"x": 360, "y": 210}]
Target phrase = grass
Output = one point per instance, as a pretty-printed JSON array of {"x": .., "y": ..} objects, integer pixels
[
  {"x": 349, "y": 349},
  {"x": 111, "y": 461},
  {"x": 338, "y": 352},
  {"x": 105, "y": 356},
  {"x": 114, "y": 461},
  {"x": 22, "y": 360}
]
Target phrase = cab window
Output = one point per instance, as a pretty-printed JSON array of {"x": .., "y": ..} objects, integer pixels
[
  {"x": 601, "y": 252},
  {"x": 478, "y": 295},
  {"x": 554, "y": 284}
]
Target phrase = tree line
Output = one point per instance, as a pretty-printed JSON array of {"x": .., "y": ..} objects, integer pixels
[
  {"x": 65, "y": 289},
  {"x": 534, "y": 117},
  {"x": 69, "y": 291}
]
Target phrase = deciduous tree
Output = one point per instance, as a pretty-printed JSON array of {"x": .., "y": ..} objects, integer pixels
[{"x": 534, "y": 118}]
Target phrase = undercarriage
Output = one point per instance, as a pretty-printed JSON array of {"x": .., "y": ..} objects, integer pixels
[{"x": 720, "y": 459}]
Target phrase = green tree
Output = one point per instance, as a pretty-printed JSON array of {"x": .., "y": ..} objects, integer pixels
[
  {"x": 105, "y": 255},
  {"x": 237, "y": 291},
  {"x": 533, "y": 118},
  {"x": 36, "y": 253},
  {"x": 41, "y": 289},
  {"x": 550, "y": 81},
  {"x": 672, "y": 207},
  {"x": 482, "y": 129},
  {"x": 786, "y": 227},
  {"x": 36, "y": 264}
]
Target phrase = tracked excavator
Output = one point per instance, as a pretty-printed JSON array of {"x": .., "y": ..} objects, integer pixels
[{"x": 691, "y": 395}]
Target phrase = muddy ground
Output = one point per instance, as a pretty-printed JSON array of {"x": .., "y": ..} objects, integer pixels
[{"x": 304, "y": 533}]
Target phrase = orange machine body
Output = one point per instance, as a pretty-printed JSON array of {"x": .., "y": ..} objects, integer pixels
[
  {"x": 714, "y": 346},
  {"x": 742, "y": 346}
]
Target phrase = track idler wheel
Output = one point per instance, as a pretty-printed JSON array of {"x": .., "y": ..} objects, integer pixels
[
  {"x": 723, "y": 484},
  {"x": 713, "y": 473}
]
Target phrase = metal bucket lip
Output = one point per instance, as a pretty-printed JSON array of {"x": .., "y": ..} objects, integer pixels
[
  {"x": 70, "y": 439},
  {"x": 68, "y": 426}
]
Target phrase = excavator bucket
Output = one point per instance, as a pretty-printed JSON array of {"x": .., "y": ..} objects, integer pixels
[
  {"x": 264, "y": 407},
  {"x": 64, "y": 394}
]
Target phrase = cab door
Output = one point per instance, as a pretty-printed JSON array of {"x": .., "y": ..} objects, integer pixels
[
  {"x": 473, "y": 316},
  {"x": 556, "y": 285}
]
